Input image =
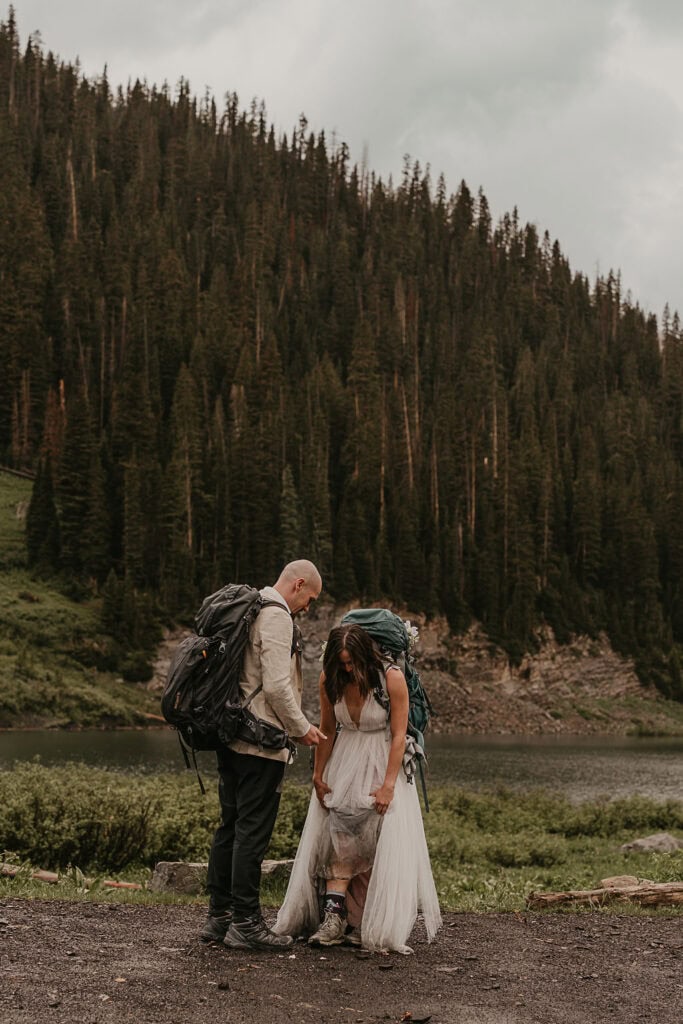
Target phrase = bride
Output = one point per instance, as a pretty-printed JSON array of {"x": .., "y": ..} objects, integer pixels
[{"x": 363, "y": 847}]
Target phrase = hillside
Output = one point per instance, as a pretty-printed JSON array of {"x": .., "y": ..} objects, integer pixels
[
  {"x": 50, "y": 644},
  {"x": 53, "y": 650},
  {"x": 223, "y": 348}
]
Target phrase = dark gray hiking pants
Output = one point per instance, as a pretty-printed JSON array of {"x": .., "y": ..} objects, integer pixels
[{"x": 249, "y": 792}]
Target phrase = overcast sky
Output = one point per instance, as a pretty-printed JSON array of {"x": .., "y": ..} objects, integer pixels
[{"x": 572, "y": 111}]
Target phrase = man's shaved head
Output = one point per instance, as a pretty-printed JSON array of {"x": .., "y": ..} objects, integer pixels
[
  {"x": 299, "y": 583},
  {"x": 301, "y": 569}
]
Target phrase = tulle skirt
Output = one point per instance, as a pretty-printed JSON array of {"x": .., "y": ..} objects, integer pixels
[{"x": 387, "y": 856}]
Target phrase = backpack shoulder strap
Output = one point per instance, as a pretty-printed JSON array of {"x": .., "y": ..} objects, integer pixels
[
  {"x": 274, "y": 604},
  {"x": 380, "y": 692},
  {"x": 296, "y": 644},
  {"x": 296, "y": 632}
]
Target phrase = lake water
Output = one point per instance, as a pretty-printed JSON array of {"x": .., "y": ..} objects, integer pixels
[{"x": 578, "y": 767}]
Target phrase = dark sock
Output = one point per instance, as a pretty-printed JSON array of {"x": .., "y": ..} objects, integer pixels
[{"x": 335, "y": 902}]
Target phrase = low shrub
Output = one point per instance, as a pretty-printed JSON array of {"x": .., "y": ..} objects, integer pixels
[
  {"x": 608, "y": 817},
  {"x": 488, "y": 850},
  {"x": 532, "y": 850},
  {"x": 102, "y": 820},
  {"x": 137, "y": 667}
]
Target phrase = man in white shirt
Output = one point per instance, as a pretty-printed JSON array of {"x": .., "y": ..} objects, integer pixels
[{"x": 250, "y": 779}]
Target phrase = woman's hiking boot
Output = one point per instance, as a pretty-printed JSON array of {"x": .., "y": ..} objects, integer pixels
[
  {"x": 254, "y": 933},
  {"x": 215, "y": 927},
  {"x": 331, "y": 932},
  {"x": 352, "y": 937}
]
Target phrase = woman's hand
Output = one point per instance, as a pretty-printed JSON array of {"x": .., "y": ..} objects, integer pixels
[
  {"x": 321, "y": 791},
  {"x": 383, "y": 797}
]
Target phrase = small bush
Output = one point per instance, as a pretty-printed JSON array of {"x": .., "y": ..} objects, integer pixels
[
  {"x": 533, "y": 850},
  {"x": 105, "y": 821},
  {"x": 632, "y": 814},
  {"x": 488, "y": 850},
  {"x": 137, "y": 667},
  {"x": 100, "y": 820}
]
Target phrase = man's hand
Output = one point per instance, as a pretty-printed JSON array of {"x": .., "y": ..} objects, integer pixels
[{"x": 312, "y": 737}]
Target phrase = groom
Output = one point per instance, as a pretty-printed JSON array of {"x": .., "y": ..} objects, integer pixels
[{"x": 250, "y": 779}]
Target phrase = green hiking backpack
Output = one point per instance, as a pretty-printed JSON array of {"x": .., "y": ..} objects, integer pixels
[{"x": 391, "y": 635}]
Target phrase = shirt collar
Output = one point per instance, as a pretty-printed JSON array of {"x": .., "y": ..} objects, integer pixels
[{"x": 271, "y": 594}]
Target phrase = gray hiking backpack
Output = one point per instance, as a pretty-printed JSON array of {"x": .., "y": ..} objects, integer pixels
[{"x": 202, "y": 698}]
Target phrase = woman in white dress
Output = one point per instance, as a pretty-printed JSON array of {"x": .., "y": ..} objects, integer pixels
[{"x": 363, "y": 844}]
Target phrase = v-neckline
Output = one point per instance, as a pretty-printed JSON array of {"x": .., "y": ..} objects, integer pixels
[{"x": 362, "y": 707}]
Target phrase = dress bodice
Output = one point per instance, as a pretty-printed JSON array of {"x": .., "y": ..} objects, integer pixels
[{"x": 373, "y": 717}]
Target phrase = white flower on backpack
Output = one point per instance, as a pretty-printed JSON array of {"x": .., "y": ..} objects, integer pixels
[{"x": 413, "y": 633}]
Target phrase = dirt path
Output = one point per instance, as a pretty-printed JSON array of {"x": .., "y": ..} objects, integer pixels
[{"x": 106, "y": 964}]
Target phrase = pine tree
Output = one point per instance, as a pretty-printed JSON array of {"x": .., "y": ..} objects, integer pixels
[
  {"x": 290, "y": 519},
  {"x": 42, "y": 524},
  {"x": 74, "y": 483},
  {"x": 97, "y": 528},
  {"x": 240, "y": 347}
]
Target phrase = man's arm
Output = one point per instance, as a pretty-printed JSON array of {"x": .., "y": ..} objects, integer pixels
[{"x": 276, "y": 646}]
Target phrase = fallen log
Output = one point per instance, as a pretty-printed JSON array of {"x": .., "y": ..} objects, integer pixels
[
  {"x": 51, "y": 877},
  {"x": 647, "y": 894},
  {"x": 151, "y": 717}
]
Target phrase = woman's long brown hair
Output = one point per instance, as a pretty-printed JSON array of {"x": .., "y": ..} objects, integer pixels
[{"x": 366, "y": 662}]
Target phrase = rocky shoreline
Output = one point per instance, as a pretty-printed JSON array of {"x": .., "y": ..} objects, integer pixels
[{"x": 581, "y": 688}]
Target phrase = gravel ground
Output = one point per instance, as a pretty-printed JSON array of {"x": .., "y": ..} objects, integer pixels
[{"x": 109, "y": 963}]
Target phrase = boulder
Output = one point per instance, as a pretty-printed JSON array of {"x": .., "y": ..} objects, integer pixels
[
  {"x": 660, "y": 842},
  {"x": 277, "y": 868},
  {"x": 618, "y": 881},
  {"x": 190, "y": 878},
  {"x": 179, "y": 876}
]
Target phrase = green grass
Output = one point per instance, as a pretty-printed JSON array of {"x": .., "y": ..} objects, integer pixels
[
  {"x": 15, "y": 493},
  {"x": 669, "y": 716},
  {"x": 72, "y": 886},
  {"x": 488, "y": 850},
  {"x": 51, "y": 647},
  {"x": 48, "y": 644}
]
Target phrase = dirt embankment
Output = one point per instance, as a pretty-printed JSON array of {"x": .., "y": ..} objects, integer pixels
[
  {"x": 580, "y": 688},
  {"x": 110, "y": 964}
]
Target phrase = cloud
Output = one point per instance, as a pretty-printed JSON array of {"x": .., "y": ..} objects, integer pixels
[{"x": 571, "y": 112}]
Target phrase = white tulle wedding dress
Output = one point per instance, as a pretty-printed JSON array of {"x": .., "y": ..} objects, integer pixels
[{"x": 388, "y": 857}]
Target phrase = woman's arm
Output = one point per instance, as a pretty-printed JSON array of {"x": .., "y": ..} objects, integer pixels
[
  {"x": 398, "y": 721},
  {"x": 328, "y": 726}
]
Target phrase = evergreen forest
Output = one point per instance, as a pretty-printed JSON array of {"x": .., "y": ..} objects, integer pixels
[{"x": 223, "y": 348}]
